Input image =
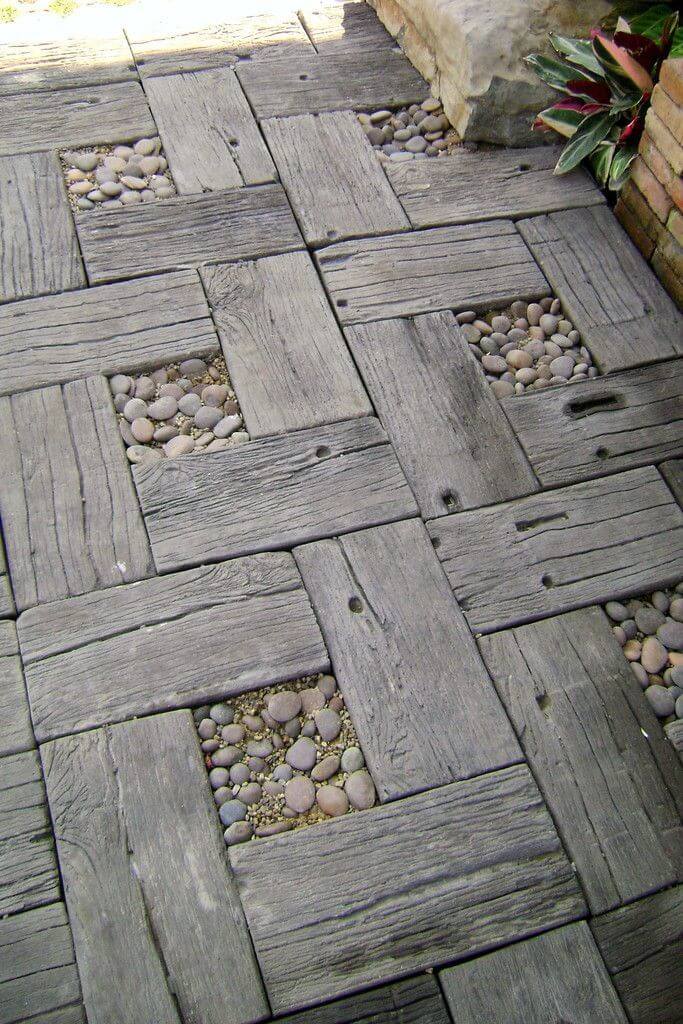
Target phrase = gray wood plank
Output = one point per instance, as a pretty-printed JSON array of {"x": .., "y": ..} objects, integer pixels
[
  {"x": 112, "y": 113},
  {"x": 558, "y": 976},
  {"x": 117, "y": 328},
  {"x": 332, "y": 176},
  {"x": 477, "y": 266},
  {"x": 415, "y": 1000},
  {"x": 562, "y": 549},
  {"x": 580, "y": 717},
  {"x": 486, "y": 184},
  {"x": 209, "y": 133},
  {"x": 672, "y": 471},
  {"x": 451, "y": 437},
  {"x": 113, "y": 654},
  {"x": 69, "y": 511},
  {"x": 16, "y": 732},
  {"x": 150, "y": 905},
  {"x": 627, "y": 419},
  {"x": 192, "y": 47},
  {"x": 236, "y": 224},
  {"x": 287, "y": 361},
  {"x": 38, "y": 247},
  {"x": 607, "y": 289},
  {"x": 38, "y": 975},
  {"x": 28, "y": 869},
  {"x": 43, "y": 65},
  {"x": 391, "y": 575},
  {"x": 341, "y": 81},
  {"x": 6, "y": 596},
  {"x": 272, "y": 493},
  {"x": 642, "y": 947},
  {"x": 384, "y": 893},
  {"x": 340, "y": 26}
]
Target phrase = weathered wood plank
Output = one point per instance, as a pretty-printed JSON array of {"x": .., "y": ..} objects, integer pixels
[
  {"x": 236, "y": 224},
  {"x": 272, "y": 493},
  {"x": 488, "y": 184},
  {"x": 150, "y": 905},
  {"x": 415, "y": 1000},
  {"x": 117, "y": 653},
  {"x": 70, "y": 516},
  {"x": 341, "y": 81},
  {"x": 112, "y": 113},
  {"x": 340, "y": 27},
  {"x": 38, "y": 247},
  {"x": 38, "y": 975},
  {"x": 6, "y": 597},
  {"x": 562, "y": 549},
  {"x": 288, "y": 361},
  {"x": 672, "y": 471},
  {"x": 28, "y": 869},
  {"x": 642, "y": 947},
  {"x": 558, "y": 976},
  {"x": 451, "y": 437},
  {"x": 332, "y": 176},
  {"x": 381, "y": 894},
  {"x": 209, "y": 133},
  {"x": 370, "y": 591},
  {"x": 627, "y": 419},
  {"x": 595, "y": 749},
  {"x": 125, "y": 327},
  {"x": 189, "y": 47},
  {"x": 475, "y": 265},
  {"x": 40, "y": 66},
  {"x": 607, "y": 289},
  {"x": 16, "y": 732}
]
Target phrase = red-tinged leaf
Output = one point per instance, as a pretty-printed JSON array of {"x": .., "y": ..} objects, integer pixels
[
  {"x": 633, "y": 130},
  {"x": 642, "y": 49},
  {"x": 563, "y": 117},
  {"x": 598, "y": 91},
  {"x": 616, "y": 60}
]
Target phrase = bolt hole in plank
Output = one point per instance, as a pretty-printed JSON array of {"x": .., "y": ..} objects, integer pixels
[
  {"x": 323, "y": 452},
  {"x": 588, "y": 406},
  {"x": 356, "y": 605},
  {"x": 450, "y": 501},
  {"x": 602, "y": 453}
]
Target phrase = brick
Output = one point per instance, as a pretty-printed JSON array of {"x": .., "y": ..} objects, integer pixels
[
  {"x": 662, "y": 170},
  {"x": 667, "y": 263},
  {"x": 664, "y": 140},
  {"x": 640, "y": 212},
  {"x": 654, "y": 192},
  {"x": 669, "y": 111},
  {"x": 675, "y": 225},
  {"x": 632, "y": 225},
  {"x": 671, "y": 79}
]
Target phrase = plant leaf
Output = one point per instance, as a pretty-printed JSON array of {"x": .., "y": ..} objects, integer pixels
[
  {"x": 620, "y": 167},
  {"x": 651, "y": 21},
  {"x": 592, "y": 130},
  {"x": 677, "y": 44},
  {"x": 597, "y": 92},
  {"x": 601, "y": 161},
  {"x": 619, "y": 63},
  {"x": 645, "y": 51},
  {"x": 561, "y": 117},
  {"x": 555, "y": 73},
  {"x": 579, "y": 52}
]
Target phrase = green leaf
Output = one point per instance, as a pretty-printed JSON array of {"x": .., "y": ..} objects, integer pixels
[
  {"x": 579, "y": 52},
  {"x": 620, "y": 169},
  {"x": 677, "y": 44},
  {"x": 564, "y": 122},
  {"x": 592, "y": 130},
  {"x": 601, "y": 161},
  {"x": 650, "y": 22},
  {"x": 555, "y": 73}
]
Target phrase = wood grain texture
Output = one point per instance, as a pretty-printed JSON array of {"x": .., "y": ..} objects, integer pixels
[
  {"x": 112, "y": 113},
  {"x": 607, "y": 289},
  {"x": 558, "y": 976},
  {"x": 672, "y": 471},
  {"x": 327, "y": 480},
  {"x": 390, "y": 891},
  {"x": 415, "y": 1000},
  {"x": 38, "y": 248},
  {"x": 40, "y": 66},
  {"x": 562, "y": 549},
  {"x": 70, "y": 516},
  {"x": 16, "y": 732},
  {"x": 476, "y": 266},
  {"x": 110, "y": 655},
  {"x": 642, "y": 946},
  {"x": 209, "y": 133},
  {"x": 392, "y": 575},
  {"x": 595, "y": 749},
  {"x": 307, "y": 84},
  {"x": 28, "y": 869},
  {"x": 632, "y": 418},
  {"x": 126, "y": 327},
  {"x": 38, "y": 974},
  {"x": 332, "y": 177},
  {"x": 6, "y": 597},
  {"x": 486, "y": 184},
  {"x": 451, "y": 437},
  {"x": 287, "y": 361},
  {"x": 192, "y": 47},
  {"x": 336, "y": 27},
  {"x": 150, "y": 904},
  {"x": 235, "y": 224}
]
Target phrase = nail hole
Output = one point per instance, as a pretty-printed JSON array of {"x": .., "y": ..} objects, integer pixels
[
  {"x": 355, "y": 604},
  {"x": 602, "y": 453},
  {"x": 303, "y": 78},
  {"x": 323, "y": 451},
  {"x": 234, "y": 142},
  {"x": 331, "y": 234},
  {"x": 436, "y": 542},
  {"x": 547, "y": 582},
  {"x": 342, "y": 303},
  {"x": 525, "y": 167},
  {"x": 450, "y": 501},
  {"x": 543, "y": 701}
]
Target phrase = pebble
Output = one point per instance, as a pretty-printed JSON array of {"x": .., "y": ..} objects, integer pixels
[
  {"x": 328, "y": 724},
  {"x": 250, "y": 794},
  {"x": 352, "y": 760},
  {"x": 326, "y": 768},
  {"x": 232, "y": 811},
  {"x": 177, "y": 446},
  {"x": 360, "y": 790},
  {"x": 302, "y": 754},
  {"x": 648, "y": 619},
  {"x": 670, "y": 633},
  {"x": 226, "y": 426},
  {"x": 300, "y": 794},
  {"x": 239, "y": 773},
  {"x": 222, "y": 714},
  {"x": 218, "y": 777},
  {"x": 332, "y": 801},
  {"x": 163, "y": 409},
  {"x": 284, "y": 705},
  {"x": 238, "y": 832},
  {"x": 661, "y": 700},
  {"x": 142, "y": 430},
  {"x": 654, "y": 655},
  {"x": 206, "y": 418},
  {"x": 562, "y": 366},
  {"x": 259, "y": 748}
]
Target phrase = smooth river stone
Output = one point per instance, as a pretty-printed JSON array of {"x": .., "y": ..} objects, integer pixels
[
  {"x": 654, "y": 655},
  {"x": 328, "y": 724},
  {"x": 670, "y": 633},
  {"x": 164, "y": 408},
  {"x": 332, "y": 800},
  {"x": 326, "y": 768},
  {"x": 300, "y": 794},
  {"x": 360, "y": 790},
  {"x": 302, "y": 754},
  {"x": 284, "y": 705}
]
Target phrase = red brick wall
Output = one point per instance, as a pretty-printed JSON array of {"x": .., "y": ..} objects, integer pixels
[{"x": 651, "y": 204}]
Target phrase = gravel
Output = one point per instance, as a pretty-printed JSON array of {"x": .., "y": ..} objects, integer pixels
[
  {"x": 105, "y": 177},
  {"x": 411, "y": 133}
]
